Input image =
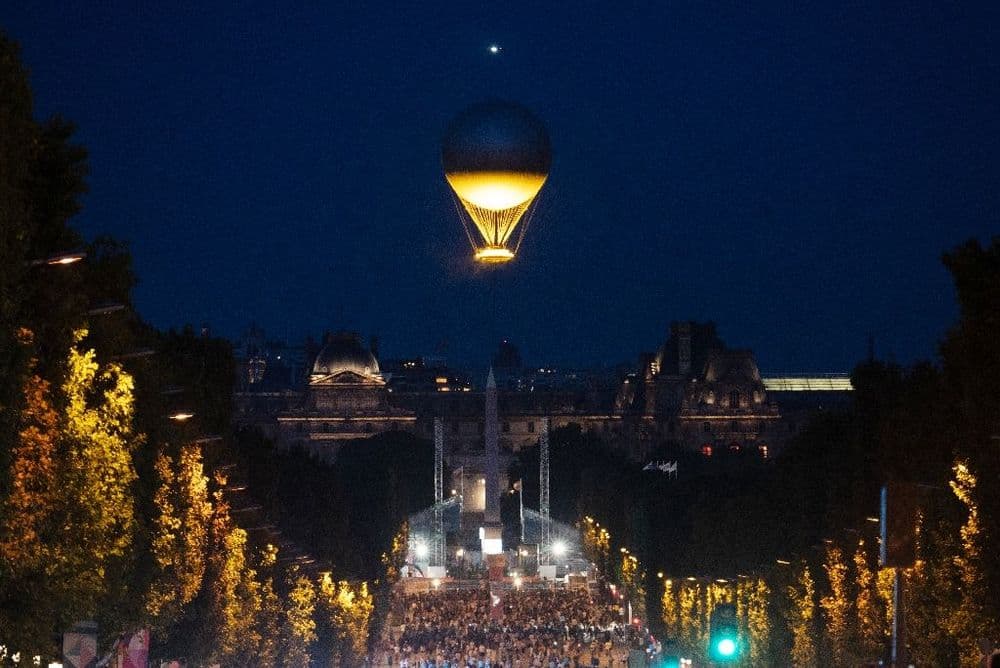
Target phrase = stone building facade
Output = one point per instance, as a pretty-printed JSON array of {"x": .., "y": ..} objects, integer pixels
[
  {"x": 693, "y": 393},
  {"x": 697, "y": 394}
]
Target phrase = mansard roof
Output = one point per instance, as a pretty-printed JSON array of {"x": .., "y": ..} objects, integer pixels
[{"x": 732, "y": 367}]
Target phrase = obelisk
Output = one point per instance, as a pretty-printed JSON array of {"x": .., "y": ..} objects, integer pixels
[{"x": 492, "y": 531}]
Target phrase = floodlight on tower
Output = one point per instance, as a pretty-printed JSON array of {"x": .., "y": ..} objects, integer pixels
[{"x": 559, "y": 549}]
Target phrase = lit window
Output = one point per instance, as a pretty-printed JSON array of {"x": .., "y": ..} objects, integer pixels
[
  {"x": 762, "y": 449},
  {"x": 706, "y": 450}
]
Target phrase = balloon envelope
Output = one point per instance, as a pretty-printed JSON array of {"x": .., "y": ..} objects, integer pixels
[{"x": 496, "y": 157}]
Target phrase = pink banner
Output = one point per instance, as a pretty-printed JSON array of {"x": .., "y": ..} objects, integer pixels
[
  {"x": 80, "y": 645},
  {"x": 133, "y": 651}
]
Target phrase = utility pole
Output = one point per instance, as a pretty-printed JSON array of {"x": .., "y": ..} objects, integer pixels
[
  {"x": 898, "y": 505},
  {"x": 898, "y": 658}
]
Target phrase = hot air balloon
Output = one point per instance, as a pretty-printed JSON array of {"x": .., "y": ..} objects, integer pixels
[{"x": 496, "y": 156}]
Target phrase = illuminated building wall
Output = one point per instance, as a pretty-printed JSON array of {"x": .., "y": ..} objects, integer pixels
[{"x": 693, "y": 392}]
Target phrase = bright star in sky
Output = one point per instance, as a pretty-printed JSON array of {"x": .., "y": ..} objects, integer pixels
[{"x": 495, "y": 48}]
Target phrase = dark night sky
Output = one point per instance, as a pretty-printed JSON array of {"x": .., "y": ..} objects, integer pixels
[{"x": 792, "y": 173}]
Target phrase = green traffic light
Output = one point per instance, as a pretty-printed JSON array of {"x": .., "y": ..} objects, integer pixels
[{"x": 723, "y": 646}]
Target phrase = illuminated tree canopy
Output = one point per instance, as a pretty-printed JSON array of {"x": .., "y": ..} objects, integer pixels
[{"x": 70, "y": 514}]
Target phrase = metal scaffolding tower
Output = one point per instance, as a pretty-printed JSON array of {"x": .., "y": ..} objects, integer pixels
[
  {"x": 437, "y": 548},
  {"x": 543, "y": 483}
]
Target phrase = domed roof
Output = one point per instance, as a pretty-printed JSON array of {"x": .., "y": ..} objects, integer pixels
[{"x": 345, "y": 352}]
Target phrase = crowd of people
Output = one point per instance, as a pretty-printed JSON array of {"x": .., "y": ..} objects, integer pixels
[{"x": 516, "y": 628}]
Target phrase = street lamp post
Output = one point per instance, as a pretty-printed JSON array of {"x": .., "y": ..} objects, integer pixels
[
  {"x": 460, "y": 472},
  {"x": 520, "y": 503},
  {"x": 60, "y": 259},
  {"x": 105, "y": 308}
]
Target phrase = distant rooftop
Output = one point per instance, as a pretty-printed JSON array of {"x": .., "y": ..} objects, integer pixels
[{"x": 803, "y": 382}]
